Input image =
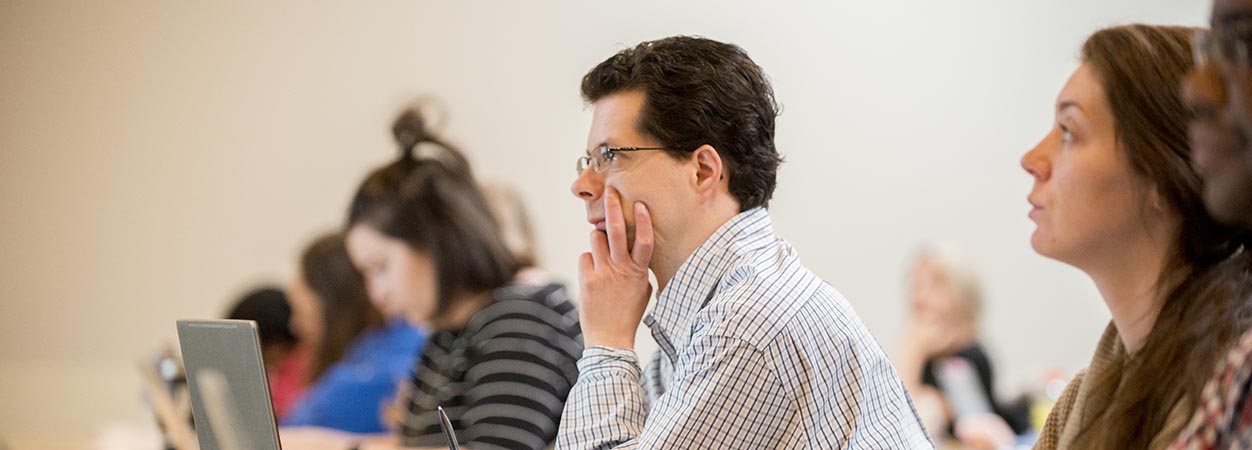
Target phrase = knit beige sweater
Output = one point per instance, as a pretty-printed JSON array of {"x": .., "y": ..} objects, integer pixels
[{"x": 1080, "y": 404}]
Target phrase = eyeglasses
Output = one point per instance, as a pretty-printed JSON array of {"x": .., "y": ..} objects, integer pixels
[
  {"x": 1227, "y": 45},
  {"x": 600, "y": 157}
]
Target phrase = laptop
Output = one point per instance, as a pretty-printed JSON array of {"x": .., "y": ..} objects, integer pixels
[{"x": 230, "y": 396}]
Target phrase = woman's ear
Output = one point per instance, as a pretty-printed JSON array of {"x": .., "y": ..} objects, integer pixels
[{"x": 1155, "y": 200}]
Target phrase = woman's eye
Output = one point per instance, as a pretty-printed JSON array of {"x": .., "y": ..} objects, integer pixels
[{"x": 1066, "y": 135}]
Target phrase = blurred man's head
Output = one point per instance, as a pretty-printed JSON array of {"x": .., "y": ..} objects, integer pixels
[{"x": 1220, "y": 93}]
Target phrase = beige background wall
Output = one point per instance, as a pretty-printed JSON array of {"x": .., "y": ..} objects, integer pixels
[{"x": 158, "y": 157}]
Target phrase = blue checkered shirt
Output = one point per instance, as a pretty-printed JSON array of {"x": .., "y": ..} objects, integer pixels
[{"x": 754, "y": 352}]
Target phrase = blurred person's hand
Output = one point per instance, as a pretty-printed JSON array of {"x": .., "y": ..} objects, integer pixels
[
  {"x": 316, "y": 438},
  {"x": 394, "y": 410},
  {"x": 389, "y": 442},
  {"x": 984, "y": 432},
  {"x": 393, "y": 443}
]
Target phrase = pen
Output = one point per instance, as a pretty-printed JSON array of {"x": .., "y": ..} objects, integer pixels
[{"x": 446, "y": 426}]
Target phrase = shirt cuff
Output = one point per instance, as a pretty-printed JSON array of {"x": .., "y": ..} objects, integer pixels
[{"x": 606, "y": 361}]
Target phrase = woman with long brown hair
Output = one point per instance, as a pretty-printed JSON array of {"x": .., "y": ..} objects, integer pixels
[
  {"x": 358, "y": 357},
  {"x": 1116, "y": 196}
]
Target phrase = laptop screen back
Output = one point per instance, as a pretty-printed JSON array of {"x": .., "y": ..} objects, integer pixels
[{"x": 230, "y": 397}]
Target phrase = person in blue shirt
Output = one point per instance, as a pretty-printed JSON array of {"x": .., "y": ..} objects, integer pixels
[{"x": 358, "y": 357}]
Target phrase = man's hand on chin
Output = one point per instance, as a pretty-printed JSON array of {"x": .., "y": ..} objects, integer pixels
[{"x": 613, "y": 277}]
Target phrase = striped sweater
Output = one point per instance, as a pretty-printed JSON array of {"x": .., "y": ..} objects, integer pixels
[{"x": 503, "y": 379}]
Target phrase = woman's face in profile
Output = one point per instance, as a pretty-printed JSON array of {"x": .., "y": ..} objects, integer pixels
[
  {"x": 401, "y": 281},
  {"x": 306, "y": 311},
  {"x": 1086, "y": 199}
]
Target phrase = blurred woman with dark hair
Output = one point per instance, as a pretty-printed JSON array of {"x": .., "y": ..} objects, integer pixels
[{"x": 502, "y": 355}]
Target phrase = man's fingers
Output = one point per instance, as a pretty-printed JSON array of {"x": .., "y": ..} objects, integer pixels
[
  {"x": 585, "y": 265},
  {"x": 615, "y": 225},
  {"x": 599, "y": 248}
]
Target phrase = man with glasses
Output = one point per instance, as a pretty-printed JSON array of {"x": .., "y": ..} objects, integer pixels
[
  {"x": 755, "y": 351},
  {"x": 1219, "y": 91}
]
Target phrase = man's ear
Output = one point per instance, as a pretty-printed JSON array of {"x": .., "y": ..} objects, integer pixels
[{"x": 710, "y": 172}]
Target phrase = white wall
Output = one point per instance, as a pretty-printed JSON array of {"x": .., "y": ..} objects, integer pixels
[{"x": 157, "y": 157}]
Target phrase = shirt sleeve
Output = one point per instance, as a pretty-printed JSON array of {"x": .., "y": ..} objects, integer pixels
[
  {"x": 1241, "y": 423},
  {"x": 1223, "y": 416},
  {"x": 723, "y": 396}
]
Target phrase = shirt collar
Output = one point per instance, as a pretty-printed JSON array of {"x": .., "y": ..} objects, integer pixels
[{"x": 702, "y": 272}]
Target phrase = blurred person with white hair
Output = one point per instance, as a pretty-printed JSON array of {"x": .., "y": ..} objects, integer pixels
[{"x": 943, "y": 364}]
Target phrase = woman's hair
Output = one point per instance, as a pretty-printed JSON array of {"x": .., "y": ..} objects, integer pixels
[
  {"x": 514, "y": 220},
  {"x": 340, "y": 290},
  {"x": 958, "y": 272},
  {"x": 428, "y": 199},
  {"x": 1206, "y": 280},
  {"x": 268, "y": 307}
]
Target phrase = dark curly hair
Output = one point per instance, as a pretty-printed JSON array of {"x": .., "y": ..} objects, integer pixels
[{"x": 699, "y": 91}]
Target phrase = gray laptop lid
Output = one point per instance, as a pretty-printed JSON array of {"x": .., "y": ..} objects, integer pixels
[{"x": 230, "y": 396}]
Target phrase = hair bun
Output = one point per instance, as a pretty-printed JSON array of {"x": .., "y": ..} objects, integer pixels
[{"x": 409, "y": 130}]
